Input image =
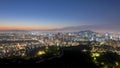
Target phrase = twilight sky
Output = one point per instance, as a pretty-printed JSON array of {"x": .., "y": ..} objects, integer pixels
[{"x": 102, "y": 15}]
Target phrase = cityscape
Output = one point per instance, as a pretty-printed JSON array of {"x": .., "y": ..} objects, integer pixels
[
  {"x": 61, "y": 33},
  {"x": 29, "y": 44}
]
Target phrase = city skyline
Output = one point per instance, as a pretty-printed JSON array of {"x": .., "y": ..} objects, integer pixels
[{"x": 62, "y": 15}]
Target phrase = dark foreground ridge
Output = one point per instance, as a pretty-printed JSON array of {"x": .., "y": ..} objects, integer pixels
[{"x": 72, "y": 58}]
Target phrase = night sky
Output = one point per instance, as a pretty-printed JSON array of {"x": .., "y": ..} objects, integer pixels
[{"x": 99, "y": 15}]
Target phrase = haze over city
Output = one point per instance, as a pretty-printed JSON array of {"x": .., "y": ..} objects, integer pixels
[{"x": 65, "y": 15}]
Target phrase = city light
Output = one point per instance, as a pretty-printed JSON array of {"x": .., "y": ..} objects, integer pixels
[
  {"x": 95, "y": 54},
  {"x": 41, "y": 53}
]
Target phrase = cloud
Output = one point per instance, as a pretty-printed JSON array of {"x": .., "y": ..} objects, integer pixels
[{"x": 109, "y": 27}]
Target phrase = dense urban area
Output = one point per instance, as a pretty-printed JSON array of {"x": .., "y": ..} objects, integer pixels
[{"x": 35, "y": 47}]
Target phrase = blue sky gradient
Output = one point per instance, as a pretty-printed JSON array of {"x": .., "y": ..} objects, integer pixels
[{"x": 43, "y": 14}]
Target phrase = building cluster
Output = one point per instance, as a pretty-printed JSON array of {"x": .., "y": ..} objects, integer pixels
[{"x": 20, "y": 43}]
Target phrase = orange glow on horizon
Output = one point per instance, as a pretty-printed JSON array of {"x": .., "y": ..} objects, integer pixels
[{"x": 26, "y": 28}]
